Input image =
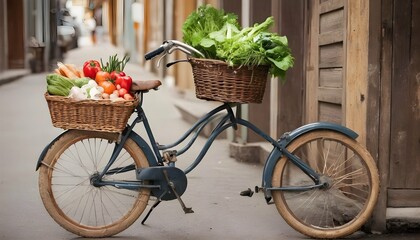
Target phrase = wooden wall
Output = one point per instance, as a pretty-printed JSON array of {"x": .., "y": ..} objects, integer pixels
[
  {"x": 394, "y": 90},
  {"x": 183, "y": 72},
  {"x": 3, "y": 38},
  {"x": 259, "y": 114},
  {"x": 405, "y": 106},
  {"x": 292, "y": 22}
]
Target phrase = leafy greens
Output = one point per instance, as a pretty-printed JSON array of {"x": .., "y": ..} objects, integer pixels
[{"x": 218, "y": 36}]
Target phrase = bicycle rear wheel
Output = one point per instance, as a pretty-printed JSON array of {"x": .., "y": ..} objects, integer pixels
[
  {"x": 340, "y": 208},
  {"x": 70, "y": 198}
]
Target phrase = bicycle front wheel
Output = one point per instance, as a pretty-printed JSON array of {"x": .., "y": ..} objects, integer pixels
[
  {"x": 346, "y": 201},
  {"x": 70, "y": 198}
]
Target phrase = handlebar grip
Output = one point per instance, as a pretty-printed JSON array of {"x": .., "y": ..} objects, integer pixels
[{"x": 154, "y": 53}]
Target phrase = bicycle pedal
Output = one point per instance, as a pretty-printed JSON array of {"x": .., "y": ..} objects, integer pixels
[
  {"x": 188, "y": 210},
  {"x": 247, "y": 193}
]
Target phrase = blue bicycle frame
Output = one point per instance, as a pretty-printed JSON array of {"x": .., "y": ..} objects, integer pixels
[{"x": 227, "y": 120}]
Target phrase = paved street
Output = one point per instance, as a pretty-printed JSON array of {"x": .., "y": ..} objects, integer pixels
[{"x": 213, "y": 190}]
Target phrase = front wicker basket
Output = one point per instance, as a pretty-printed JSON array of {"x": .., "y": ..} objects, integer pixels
[
  {"x": 215, "y": 80},
  {"x": 93, "y": 115}
]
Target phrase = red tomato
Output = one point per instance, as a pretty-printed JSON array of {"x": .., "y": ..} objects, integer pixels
[
  {"x": 102, "y": 76},
  {"x": 109, "y": 87},
  {"x": 115, "y": 75},
  {"x": 128, "y": 96},
  {"x": 122, "y": 92},
  {"x": 90, "y": 68}
]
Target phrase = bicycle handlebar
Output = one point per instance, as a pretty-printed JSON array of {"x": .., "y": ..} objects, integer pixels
[
  {"x": 169, "y": 46},
  {"x": 154, "y": 53}
]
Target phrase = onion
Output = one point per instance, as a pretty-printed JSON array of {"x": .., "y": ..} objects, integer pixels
[{"x": 77, "y": 94}]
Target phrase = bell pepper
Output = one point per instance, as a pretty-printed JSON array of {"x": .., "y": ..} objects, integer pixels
[
  {"x": 90, "y": 68},
  {"x": 124, "y": 82}
]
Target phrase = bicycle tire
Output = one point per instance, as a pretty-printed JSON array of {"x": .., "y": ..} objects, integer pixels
[
  {"x": 339, "y": 209},
  {"x": 69, "y": 197}
]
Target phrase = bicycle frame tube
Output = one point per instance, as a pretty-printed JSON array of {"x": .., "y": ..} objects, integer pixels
[
  {"x": 198, "y": 126},
  {"x": 117, "y": 149},
  {"x": 141, "y": 117},
  {"x": 223, "y": 125}
]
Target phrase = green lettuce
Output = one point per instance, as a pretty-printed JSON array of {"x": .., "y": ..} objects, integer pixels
[
  {"x": 219, "y": 36},
  {"x": 201, "y": 23}
]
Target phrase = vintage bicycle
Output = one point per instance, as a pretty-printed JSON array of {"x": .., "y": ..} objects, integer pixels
[{"x": 96, "y": 184}]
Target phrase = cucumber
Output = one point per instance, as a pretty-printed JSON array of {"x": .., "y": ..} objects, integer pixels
[
  {"x": 58, "y": 80},
  {"x": 81, "y": 81},
  {"x": 57, "y": 90}
]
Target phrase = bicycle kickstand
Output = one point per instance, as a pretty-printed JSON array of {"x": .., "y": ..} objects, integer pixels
[{"x": 151, "y": 209}]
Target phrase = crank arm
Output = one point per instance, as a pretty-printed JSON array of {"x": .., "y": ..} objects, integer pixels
[{"x": 171, "y": 185}]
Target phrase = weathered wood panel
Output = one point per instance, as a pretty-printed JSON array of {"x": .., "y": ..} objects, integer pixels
[
  {"x": 329, "y": 112},
  {"x": 379, "y": 102},
  {"x": 405, "y": 123},
  {"x": 328, "y": 6},
  {"x": 331, "y": 95},
  {"x": 403, "y": 197},
  {"x": 331, "y": 77},
  {"x": 331, "y": 21},
  {"x": 331, "y": 56},
  {"x": 290, "y": 97},
  {"x": 3, "y": 56},
  {"x": 331, "y": 37},
  {"x": 356, "y": 73},
  {"x": 259, "y": 114},
  {"x": 15, "y": 34},
  {"x": 183, "y": 76},
  {"x": 312, "y": 70}
]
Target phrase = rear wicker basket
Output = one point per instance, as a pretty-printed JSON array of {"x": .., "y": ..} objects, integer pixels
[
  {"x": 215, "y": 80},
  {"x": 94, "y": 115}
]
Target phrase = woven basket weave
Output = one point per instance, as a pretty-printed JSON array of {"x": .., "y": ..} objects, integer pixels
[
  {"x": 215, "y": 80},
  {"x": 94, "y": 115}
]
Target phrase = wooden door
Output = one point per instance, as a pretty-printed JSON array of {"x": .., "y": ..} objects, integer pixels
[
  {"x": 337, "y": 67},
  {"x": 15, "y": 34},
  {"x": 404, "y": 181},
  {"x": 325, "y": 71},
  {"x": 3, "y": 56}
]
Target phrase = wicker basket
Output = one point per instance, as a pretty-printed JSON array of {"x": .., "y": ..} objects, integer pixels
[
  {"x": 94, "y": 115},
  {"x": 215, "y": 80}
]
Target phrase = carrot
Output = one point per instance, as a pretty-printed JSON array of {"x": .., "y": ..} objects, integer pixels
[
  {"x": 57, "y": 71},
  {"x": 72, "y": 68},
  {"x": 62, "y": 73},
  {"x": 81, "y": 73},
  {"x": 64, "y": 69}
]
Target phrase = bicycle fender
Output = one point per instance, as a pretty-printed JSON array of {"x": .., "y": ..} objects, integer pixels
[
  {"x": 44, "y": 152},
  {"x": 288, "y": 137},
  {"x": 134, "y": 136}
]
